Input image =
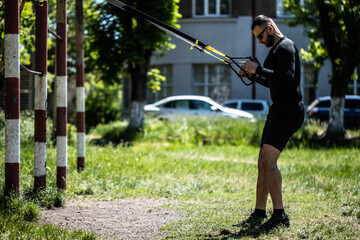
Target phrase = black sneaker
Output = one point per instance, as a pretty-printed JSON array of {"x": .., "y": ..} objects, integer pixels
[
  {"x": 273, "y": 222},
  {"x": 251, "y": 221}
]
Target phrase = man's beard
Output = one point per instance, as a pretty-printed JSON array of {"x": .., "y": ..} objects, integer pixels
[{"x": 270, "y": 41}]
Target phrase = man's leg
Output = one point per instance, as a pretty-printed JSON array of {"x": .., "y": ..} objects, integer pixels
[
  {"x": 269, "y": 179},
  {"x": 268, "y": 163},
  {"x": 262, "y": 190}
]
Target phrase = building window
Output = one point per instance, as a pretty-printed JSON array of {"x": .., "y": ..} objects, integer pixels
[
  {"x": 309, "y": 89},
  {"x": 166, "y": 86},
  {"x": 211, "y": 8},
  {"x": 213, "y": 81},
  {"x": 280, "y": 9}
]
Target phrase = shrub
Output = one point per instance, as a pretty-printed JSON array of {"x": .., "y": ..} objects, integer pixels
[
  {"x": 19, "y": 208},
  {"x": 198, "y": 131},
  {"x": 49, "y": 197},
  {"x": 103, "y": 102}
]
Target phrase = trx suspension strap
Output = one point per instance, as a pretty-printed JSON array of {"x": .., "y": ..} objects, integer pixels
[{"x": 233, "y": 62}]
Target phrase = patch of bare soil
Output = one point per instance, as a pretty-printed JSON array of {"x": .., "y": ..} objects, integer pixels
[{"x": 121, "y": 219}]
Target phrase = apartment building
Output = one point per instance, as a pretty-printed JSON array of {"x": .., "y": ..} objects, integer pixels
[{"x": 225, "y": 25}]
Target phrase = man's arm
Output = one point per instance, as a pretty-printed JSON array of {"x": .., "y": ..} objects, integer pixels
[
  {"x": 250, "y": 67},
  {"x": 260, "y": 80},
  {"x": 285, "y": 73}
]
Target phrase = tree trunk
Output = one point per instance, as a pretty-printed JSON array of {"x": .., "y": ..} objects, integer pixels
[
  {"x": 343, "y": 65},
  {"x": 137, "y": 114},
  {"x": 336, "y": 128},
  {"x": 138, "y": 73}
]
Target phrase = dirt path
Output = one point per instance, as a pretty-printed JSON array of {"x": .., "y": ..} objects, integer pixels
[{"x": 123, "y": 219}]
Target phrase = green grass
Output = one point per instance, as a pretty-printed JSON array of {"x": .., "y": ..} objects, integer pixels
[{"x": 213, "y": 185}]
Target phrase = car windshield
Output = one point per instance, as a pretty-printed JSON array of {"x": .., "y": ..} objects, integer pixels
[
  {"x": 352, "y": 103},
  {"x": 188, "y": 105},
  {"x": 349, "y": 103},
  {"x": 200, "y": 105},
  {"x": 231, "y": 105},
  {"x": 251, "y": 106},
  {"x": 178, "y": 104}
]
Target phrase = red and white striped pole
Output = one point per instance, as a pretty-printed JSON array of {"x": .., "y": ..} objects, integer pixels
[
  {"x": 80, "y": 80},
  {"x": 41, "y": 32},
  {"x": 12, "y": 96},
  {"x": 61, "y": 94}
]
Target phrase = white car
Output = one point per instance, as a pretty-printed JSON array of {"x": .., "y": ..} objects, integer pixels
[
  {"x": 259, "y": 108},
  {"x": 183, "y": 105}
]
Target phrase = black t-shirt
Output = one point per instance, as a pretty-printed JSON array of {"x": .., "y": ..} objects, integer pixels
[{"x": 281, "y": 73}]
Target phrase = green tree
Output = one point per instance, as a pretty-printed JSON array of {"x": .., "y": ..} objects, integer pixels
[
  {"x": 27, "y": 25},
  {"x": 334, "y": 29},
  {"x": 121, "y": 44}
]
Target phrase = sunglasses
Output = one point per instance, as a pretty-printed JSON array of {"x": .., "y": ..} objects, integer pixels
[{"x": 260, "y": 37}]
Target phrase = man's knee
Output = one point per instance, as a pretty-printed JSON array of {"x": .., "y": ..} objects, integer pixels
[
  {"x": 264, "y": 163},
  {"x": 268, "y": 157}
]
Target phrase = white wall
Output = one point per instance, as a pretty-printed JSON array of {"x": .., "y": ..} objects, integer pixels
[{"x": 233, "y": 37}]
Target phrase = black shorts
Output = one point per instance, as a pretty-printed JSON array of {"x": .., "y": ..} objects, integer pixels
[{"x": 282, "y": 122}]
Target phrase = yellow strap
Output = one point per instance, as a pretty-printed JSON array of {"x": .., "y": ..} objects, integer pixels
[
  {"x": 216, "y": 57},
  {"x": 216, "y": 51},
  {"x": 196, "y": 43}
]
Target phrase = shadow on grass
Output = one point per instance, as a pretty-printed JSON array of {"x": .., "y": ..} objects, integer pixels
[
  {"x": 124, "y": 136},
  {"x": 227, "y": 234},
  {"x": 325, "y": 142}
]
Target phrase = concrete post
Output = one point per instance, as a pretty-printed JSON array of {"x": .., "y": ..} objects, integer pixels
[
  {"x": 61, "y": 94},
  {"x": 12, "y": 96},
  {"x": 80, "y": 81},
  {"x": 41, "y": 33}
]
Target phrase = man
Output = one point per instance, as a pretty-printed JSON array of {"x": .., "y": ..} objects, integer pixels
[{"x": 281, "y": 74}]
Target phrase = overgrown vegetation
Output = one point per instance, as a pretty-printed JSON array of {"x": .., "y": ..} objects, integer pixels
[
  {"x": 191, "y": 130},
  {"x": 216, "y": 131},
  {"x": 212, "y": 180}
]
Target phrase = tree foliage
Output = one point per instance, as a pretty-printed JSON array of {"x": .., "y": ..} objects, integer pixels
[
  {"x": 115, "y": 43},
  {"x": 121, "y": 43},
  {"x": 27, "y": 25},
  {"x": 334, "y": 29},
  {"x": 117, "y": 38}
]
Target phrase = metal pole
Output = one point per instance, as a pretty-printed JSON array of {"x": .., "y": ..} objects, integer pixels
[
  {"x": 61, "y": 94},
  {"x": 54, "y": 34},
  {"x": 253, "y": 47},
  {"x": 12, "y": 96},
  {"x": 355, "y": 82},
  {"x": 41, "y": 32},
  {"x": 80, "y": 80}
]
